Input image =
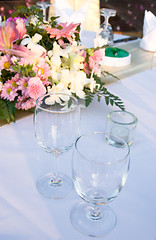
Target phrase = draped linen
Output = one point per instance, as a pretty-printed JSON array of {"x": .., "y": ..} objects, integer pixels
[{"x": 85, "y": 11}]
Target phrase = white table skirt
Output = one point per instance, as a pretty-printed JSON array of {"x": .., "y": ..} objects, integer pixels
[{"x": 26, "y": 215}]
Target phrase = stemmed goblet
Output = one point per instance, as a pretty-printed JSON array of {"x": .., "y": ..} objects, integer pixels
[
  {"x": 106, "y": 31},
  {"x": 99, "y": 172},
  {"x": 44, "y": 6},
  {"x": 56, "y": 125}
]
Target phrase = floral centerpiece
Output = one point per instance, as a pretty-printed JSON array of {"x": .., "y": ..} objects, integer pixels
[{"x": 39, "y": 57}]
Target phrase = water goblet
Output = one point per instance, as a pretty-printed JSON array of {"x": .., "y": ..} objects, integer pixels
[
  {"x": 99, "y": 172},
  {"x": 106, "y": 31},
  {"x": 56, "y": 126},
  {"x": 44, "y": 6}
]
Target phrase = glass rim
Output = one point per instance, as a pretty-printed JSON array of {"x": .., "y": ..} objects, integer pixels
[
  {"x": 60, "y": 111},
  {"x": 134, "y": 121},
  {"x": 99, "y": 162}
]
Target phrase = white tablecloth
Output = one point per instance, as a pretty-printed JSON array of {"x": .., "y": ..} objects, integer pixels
[{"x": 26, "y": 215}]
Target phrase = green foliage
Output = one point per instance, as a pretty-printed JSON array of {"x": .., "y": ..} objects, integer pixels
[
  {"x": 6, "y": 75},
  {"x": 23, "y": 70},
  {"x": 7, "y": 110},
  {"x": 25, "y": 12},
  {"x": 101, "y": 91}
]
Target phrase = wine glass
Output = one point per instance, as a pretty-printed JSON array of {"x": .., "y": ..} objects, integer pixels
[
  {"x": 99, "y": 172},
  {"x": 56, "y": 125},
  {"x": 44, "y": 6},
  {"x": 106, "y": 32}
]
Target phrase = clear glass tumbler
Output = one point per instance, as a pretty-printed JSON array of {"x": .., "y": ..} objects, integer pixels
[{"x": 121, "y": 124}]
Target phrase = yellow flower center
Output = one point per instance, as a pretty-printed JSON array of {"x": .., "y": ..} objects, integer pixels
[
  {"x": 40, "y": 71},
  {"x": 14, "y": 84},
  {"x": 9, "y": 90},
  {"x": 6, "y": 65},
  {"x": 25, "y": 84}
]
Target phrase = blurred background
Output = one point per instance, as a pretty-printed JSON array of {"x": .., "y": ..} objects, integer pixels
[{"x": 128, "y": 21}]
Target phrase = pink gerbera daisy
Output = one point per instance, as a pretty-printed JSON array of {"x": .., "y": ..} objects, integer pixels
[{"x": 66, "y": 32}]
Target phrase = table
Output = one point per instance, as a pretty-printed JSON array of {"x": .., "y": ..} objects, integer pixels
[{"x": 26, "y": 215}]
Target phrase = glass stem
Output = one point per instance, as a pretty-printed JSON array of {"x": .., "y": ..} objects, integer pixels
[
  {"x": 106, "y": 21},
  {"x": 94, "y": 212},
  {"x": 56, "y": 181}
]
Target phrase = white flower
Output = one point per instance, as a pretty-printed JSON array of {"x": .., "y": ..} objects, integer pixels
[
  {"x": 76, "y": 61},
  {"x": 92, "y": 84},
  {"x": 59, "y": 88},
  {"x": 34, "y": 20},
  {"x": 32, "y": 44},
  {"x": 78, "y": 82},
  {"x": 56, "y": 75},
  {"x": 55, "y": 61}
]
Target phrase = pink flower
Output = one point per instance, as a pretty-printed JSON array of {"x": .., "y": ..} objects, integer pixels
[
  {"x": 5, "y": 62},
  {"x": 25, "y": 61},
  {"x": 9, "y": 90},
  {"x": 21, "y": 51},
  {"x": 9, "y": 34},
  {"x": 42, "y": 69},
  {"x": 20, "y": 26},
  {"x": 25, "y": 103},
  {"x": 94, "y": 61},
  {"x": 23, "y": 85},
  {"x": 66, "y": 32},
  {"x": 35, "y": 87}
]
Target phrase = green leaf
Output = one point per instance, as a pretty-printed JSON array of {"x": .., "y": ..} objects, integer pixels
[
  {"x": 89, "y": 97},
  {"x": 7, "y": 110}
]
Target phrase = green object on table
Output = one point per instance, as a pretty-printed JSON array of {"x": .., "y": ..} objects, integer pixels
[{"x": 116, "y": 52}]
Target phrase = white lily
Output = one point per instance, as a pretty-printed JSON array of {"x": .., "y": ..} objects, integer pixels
[
  {"x": 76, "y": 61},
  {"x": 32, "y": 44},
  {"x": 78, "y": 82}
]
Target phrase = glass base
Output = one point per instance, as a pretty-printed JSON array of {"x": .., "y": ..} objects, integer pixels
[
  {"x": 92, "y": 227},
  {"x": 54, "y": 186}
]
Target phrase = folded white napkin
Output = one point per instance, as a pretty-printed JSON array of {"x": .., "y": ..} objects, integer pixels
[
  {"x": 67, "y": 13},
  {"x": 86, "y": 12},
  {"x": 148, "y": 41}
]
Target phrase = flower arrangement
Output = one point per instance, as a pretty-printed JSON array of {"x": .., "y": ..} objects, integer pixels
[{"x": 39, "y": 57}]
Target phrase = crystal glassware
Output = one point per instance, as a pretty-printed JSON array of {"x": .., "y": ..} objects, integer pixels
[
  {"x": 56, "y": 125},
  {"x": 106, "y": 31},
  {"x": 44, "y": 6},
  {"x": 99, "y": 172}
]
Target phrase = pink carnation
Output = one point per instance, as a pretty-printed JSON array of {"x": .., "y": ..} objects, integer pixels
[
  {"x": 95, "y": 60},
  {"x": 35, "y": 87}
]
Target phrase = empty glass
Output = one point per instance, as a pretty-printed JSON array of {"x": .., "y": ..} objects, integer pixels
[
  {"x": 99, "y": 172},
  {"x": 56, "y": 125},
  {"x": 122, "y": 124},
  {"x": 106, "y": 31},
  {"x": 44, "y": 6}
]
